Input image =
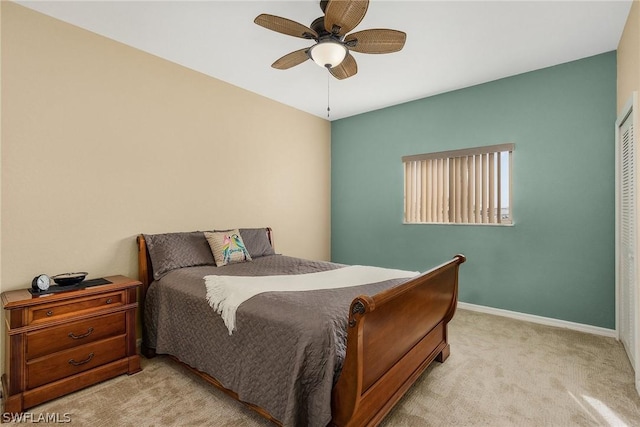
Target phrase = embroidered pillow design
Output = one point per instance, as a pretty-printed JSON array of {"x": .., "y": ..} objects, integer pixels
[{"x": 227, "y": 247}]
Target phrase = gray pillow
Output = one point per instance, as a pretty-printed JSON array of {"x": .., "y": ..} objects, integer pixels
[
  {"x": 257, "y": 242},
  {"x": 177, "y": 250}
]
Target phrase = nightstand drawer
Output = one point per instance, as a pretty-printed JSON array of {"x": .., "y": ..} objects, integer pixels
[
  {"x": 78, "y": 359},
  {"x": 61, "y": 310},
  {"x": 73, "y": 334}
]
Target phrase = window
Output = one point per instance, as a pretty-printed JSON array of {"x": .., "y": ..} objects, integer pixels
[{"x": 471, "y": 186}]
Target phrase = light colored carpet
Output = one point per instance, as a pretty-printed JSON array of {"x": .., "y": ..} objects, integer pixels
[{"x": 501, "y": 372}]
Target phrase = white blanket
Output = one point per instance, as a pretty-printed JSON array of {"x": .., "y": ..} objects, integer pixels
[{"x": 226, "y": 293}]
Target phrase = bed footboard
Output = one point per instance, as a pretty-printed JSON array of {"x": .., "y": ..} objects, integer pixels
[{"x": 392, "y": 337}]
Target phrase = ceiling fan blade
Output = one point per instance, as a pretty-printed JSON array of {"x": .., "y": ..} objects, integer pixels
[
  {"x": 285, "y": 26},
  {"x": 345, "y": 69},
  {"x": 376, "y": 41},
  {"x": 344, "y": 14},
  {"x": 291, "y": 59}
]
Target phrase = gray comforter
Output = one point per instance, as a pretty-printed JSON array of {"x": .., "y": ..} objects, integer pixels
[{"x": 287, "y": 348}]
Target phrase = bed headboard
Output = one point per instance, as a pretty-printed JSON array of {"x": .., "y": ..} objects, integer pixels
[{"x": 145, "y": 268}]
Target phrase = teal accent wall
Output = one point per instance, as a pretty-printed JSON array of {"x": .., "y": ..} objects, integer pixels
[{"x": 557, "y": 260}]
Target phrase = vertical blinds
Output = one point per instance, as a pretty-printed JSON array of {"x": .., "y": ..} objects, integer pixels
[{"x": 460, "y": 186}]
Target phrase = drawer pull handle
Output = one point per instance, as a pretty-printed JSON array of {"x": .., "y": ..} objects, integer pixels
[
  {"x": 49, "y": 313},
  {"x": 109, "y": 301},
  {"x": 77, "y": 337},
  {"x": 82, "y": 362}
]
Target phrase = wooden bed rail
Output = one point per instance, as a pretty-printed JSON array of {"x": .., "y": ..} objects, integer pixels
[{"x": 392, "y": 337}]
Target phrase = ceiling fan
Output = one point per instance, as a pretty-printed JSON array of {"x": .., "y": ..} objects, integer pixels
[{"x": 333, "y": 44}]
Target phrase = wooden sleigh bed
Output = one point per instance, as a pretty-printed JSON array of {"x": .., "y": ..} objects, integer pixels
[{"x": 392, "y": 337}]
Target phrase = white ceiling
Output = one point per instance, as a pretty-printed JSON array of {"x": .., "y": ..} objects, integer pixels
[{"x": 450, "y": 44}]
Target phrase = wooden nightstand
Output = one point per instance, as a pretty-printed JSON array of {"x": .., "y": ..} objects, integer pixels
[{"x": 59, "y": 343}]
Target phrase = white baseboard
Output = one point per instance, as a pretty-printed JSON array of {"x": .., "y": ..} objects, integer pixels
[{"x": 596, "y": 330}]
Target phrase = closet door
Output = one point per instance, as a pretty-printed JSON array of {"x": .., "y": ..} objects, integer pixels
[{"x": 627, "y": 223}]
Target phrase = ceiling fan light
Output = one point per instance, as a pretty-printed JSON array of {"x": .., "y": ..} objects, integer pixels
[{"x": 328, "y": 54}]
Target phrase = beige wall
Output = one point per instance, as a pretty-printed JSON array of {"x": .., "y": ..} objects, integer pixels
[
  {"x": 101, "y": 142},
  {"x": 629, "y": 57}
]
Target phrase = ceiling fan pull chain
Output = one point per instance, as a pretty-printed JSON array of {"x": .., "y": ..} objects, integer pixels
[{"x": 328, "y": 98}]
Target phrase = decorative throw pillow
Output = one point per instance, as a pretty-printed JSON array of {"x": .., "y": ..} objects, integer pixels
[
  {"x": 177, "y": 250},
  {"x": 227, "y": 247},
  {"x": 257, "y": 242}
]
